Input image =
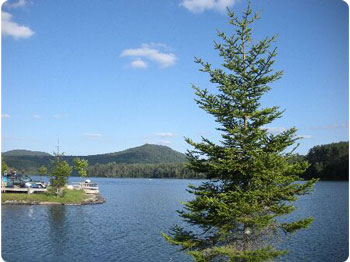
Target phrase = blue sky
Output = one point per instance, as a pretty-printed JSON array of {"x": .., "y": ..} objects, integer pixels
[{"x": 104, "y": 76}]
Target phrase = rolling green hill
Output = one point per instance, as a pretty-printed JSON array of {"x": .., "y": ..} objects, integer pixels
[
  {"x": 30, "y": 161},
  {"x": 146, "y": 154},
  {"x": 22, "y": 152}
]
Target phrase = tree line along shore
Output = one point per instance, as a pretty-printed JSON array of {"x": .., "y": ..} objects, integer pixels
[{"x": 327, "y": 162}]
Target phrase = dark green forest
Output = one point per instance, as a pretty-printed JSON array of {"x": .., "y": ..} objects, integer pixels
[
  {"x": 166, "y": 170},
  {"x": 327, "y": 162}
]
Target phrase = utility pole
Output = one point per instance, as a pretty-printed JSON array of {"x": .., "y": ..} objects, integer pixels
[{"x": 58, "y": 148}]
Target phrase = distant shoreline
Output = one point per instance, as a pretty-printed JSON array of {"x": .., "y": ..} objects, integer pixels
[
  {"x": 187, "y": 178},
  {"x": 328, "y": 162}
]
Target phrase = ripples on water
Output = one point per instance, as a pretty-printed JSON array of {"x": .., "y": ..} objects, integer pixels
[{"x": 127, "y": 227}]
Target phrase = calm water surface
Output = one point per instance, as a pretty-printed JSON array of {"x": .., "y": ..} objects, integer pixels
[{"x": 127, "y": 227}]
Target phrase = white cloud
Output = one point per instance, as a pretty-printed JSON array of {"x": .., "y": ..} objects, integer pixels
[
  {"x": 279, "y": 130},
  {"x": 275, "y": 130},
  {"x": 335, "y": 126},
  {"x": 166, "y": 134},
  {"x": 158, "y": 53},
  {"x": 13, "y": 29},
  {"x": 58, "y": 116},
  {"x": 19, "y": 3},
  {"x": 198, "y": 6},
  {"x": 37, "y": 116},
  {"x": 304, "y": 136},
  {"x": 165, "y": 142},
  {"x": 138, "y": 63},
  {"x": 12, "y": 138},
  {"x": 5, "y": 116},
  {"x": 93, "y": 135},
  {"x": 159, "y": 46}
]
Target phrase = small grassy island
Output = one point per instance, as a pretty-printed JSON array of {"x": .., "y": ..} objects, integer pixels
[
  {"x": 20, "y": 189},
  {"x": 69, "y": 197}
]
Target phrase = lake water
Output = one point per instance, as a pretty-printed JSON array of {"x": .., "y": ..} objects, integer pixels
[{"x": 128, "y": 226}]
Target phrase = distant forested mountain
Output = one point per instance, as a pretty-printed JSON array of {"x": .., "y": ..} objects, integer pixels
[
  {"x": 22, "y": 152},
  {"x": 146, "y": 154},
  {"x": 30, "y": 161},
  {"x": 327, "y": 162}
]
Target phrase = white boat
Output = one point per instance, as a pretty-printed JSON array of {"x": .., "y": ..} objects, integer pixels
[{"x": 88, "y": 186}]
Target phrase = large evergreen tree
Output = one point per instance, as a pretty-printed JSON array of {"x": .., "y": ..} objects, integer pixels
[{"x": 235, "y": 216}]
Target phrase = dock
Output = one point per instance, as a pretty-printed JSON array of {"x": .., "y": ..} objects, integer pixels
[{"x": 88, "y": 187}]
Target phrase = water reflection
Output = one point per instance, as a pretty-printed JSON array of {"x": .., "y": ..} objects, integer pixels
[
  {"x": 30, "y": 211},
  {"x": 58, "y": 232}
]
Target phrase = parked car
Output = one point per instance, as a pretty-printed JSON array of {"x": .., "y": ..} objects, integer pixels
[{"x": 23, "y": 181}]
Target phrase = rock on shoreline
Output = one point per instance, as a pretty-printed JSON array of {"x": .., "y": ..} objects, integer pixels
[{"x": 94, "y": 199}]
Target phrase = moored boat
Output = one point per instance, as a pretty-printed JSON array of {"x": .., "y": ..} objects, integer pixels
[{"x": 88, "y": 186}]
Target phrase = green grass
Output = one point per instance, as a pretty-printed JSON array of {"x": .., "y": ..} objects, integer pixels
[{"x": 69, "y": 197}]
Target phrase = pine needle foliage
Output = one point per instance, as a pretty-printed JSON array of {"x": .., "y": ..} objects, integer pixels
[{"x": 236, "y": 214}]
